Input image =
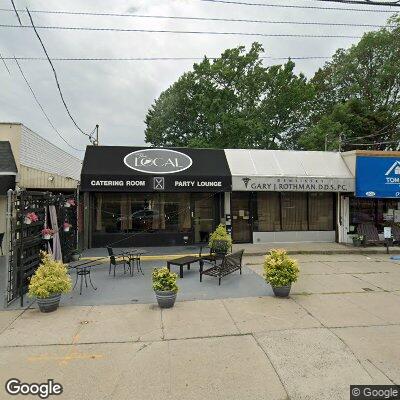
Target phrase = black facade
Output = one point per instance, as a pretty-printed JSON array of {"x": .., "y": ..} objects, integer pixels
[{"x": 152, "y": 197}]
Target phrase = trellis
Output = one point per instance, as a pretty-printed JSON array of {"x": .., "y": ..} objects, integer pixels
[{"x": 25, "y": 241}]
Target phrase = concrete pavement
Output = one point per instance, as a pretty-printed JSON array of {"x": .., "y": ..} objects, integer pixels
[{"x": 341, "y": 326}]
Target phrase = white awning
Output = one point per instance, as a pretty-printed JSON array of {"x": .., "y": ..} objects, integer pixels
[{"x": 284, "y": 170}]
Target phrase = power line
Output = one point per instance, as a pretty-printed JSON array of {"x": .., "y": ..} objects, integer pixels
[
  {"x": 365, "y": 2},
  {"x": 95, "y": 29},
  {"x": 42, "y": 109},
  {"x": 16, "y": 12},
  {"x": 247, "y": 3},
  {"x": 5, "y": 64},
  {"x": 155, "y": 58},
  {"x": 55, "y": 75},
  {"x": 260, "y": 21}
]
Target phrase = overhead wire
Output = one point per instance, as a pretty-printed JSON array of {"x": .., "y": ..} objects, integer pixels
[
  {"x": 256, "y": 4},
  {"x": 42, "y": 109},
  {"x": 251, "y": 34},
  {"x": 55, "y": 75},
  {"x": 190, "y": 18},
  {"x": 16, "y": 12},
  {"x": 155, "y": 58},
  {"x": 364, "y": 2}
]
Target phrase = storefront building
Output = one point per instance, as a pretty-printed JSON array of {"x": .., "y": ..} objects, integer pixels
[
  {"x": 287, "y": 196},
  {"x": 377, "y": 196},
  {"x": 137, "y": 196}
]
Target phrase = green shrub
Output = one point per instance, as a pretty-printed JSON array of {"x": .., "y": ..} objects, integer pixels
[
  {"x": 49, "y": 279},
  {"x": 220, "y": 235},
  {"x": 164, "y": 281},
  {"x": 280, "y": 269}
]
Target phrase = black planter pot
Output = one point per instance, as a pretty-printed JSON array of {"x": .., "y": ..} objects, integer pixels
[
  {"x": 75, "y": 257},
  {"x": 357, "y": 242},
  {"x": 50, "y": 303},
  {"x": 282, "y": 291},
  {"x": 165, "y": 299}
]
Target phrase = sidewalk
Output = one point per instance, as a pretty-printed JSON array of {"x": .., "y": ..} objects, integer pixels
[{"x": 341, "y": 326}]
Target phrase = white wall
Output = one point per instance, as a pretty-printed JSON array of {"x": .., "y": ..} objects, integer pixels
[{"x": 42, "y": 155}]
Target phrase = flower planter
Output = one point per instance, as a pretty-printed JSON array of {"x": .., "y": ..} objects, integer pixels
[
  {"x": 75, "y": 257},
  {"x": 49, "y": 304},
  {"x": 357, "y": 243},
  {"x": 67, "y": 205},
  {"x": 27, "y": 221},
  {"x": 282, "y": 291},
  {"x": 165, "y": 299},
  {"x": 46, "y": 237},
  {"x": 66, "y": 229}
]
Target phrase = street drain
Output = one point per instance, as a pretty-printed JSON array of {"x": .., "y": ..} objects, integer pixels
[{"x": 367, "y": 289}]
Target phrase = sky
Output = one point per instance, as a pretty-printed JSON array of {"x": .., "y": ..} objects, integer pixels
[{"x": 116, "y": 95}]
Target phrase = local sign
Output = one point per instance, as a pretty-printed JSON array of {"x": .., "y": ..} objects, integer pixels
[
  {"x": 378, "y": 177},
  {"x": 158, "y": 161}
]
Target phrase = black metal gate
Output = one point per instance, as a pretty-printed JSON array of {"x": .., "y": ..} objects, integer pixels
[{"x": 25, "y": 241}]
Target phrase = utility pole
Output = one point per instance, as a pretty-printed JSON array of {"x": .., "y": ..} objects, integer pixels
[{"x": 97, "y": 135}]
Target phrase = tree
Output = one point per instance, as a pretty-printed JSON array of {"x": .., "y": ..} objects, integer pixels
[
  {"x": 357, "y": 95},
  {"x": 232, "y": 102}
]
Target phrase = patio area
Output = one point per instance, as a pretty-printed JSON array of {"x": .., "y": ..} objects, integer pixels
[{"x": 137, "y": 289}]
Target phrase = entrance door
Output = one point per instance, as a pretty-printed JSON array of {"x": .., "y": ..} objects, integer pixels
[
  {"x": 241, "y": 219},
  {"x": 203, "y": 216}
]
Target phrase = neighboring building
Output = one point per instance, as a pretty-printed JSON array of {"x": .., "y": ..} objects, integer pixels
[
  {"x": 146, "y": 196},
  {"x": 28, "y": 161},
  {"x": 377, "y": 195}
]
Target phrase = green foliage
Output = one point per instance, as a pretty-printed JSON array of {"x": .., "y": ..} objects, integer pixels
[
  {"x": 231, "y": 102},
  {"x": 221, "y": 235},
  {"x": 50, "y": 278},
  {"x": 280, "y": 269},
  {"x": 356, "y": 95},
  {"x": 164, "y": 280}
]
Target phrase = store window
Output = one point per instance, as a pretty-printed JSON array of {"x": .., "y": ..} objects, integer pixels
[
  {"x": 381, "y": 212},
  {"x": 142, "y": 212},
  {"x": 268, "y": 212},
  {"x": 320, "y": 211},
  {"x": 293, "y": 211}
]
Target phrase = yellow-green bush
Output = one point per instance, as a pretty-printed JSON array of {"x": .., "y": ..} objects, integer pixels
[
  {"x": 164, "y": 280},
  {"x": 49, "y": 279},
  {"x": 279, "y": 269},
  {"x": 220, "y": 234}
]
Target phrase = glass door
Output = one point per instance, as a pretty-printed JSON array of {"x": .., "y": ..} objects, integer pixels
[
  {"x": 241, "y": 219},
  {"x": 203, "y": 216}
]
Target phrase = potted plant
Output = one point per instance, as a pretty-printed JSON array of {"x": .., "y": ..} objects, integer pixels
[
  {"x": 358, "y": 240},
  {"x": 75, "y": 255},
  {"x": 280, "y": 271},
  {"x": 66, "y": 226},
  {"x": 69, "y": 203},
  {"x": 165, "y": 287},
  {"x": 50, "y": 280},
  {"x": 220, "y": 241},
  {"x": 30, "y": 217},
  {"x": 47, "y": 233}
]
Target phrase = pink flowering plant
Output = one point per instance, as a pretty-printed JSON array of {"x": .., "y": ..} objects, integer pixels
[
  {"x": 67, "y": 225},
  {"x": 71, "y": 202},
  {"x": 47, "y": 231},
  {"x": 32, "y": 216}
]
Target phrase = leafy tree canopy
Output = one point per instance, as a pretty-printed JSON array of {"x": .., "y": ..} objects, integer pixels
[{"x": 232, "y": 102}]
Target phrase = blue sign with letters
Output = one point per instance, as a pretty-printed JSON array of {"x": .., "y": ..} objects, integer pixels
[{"x": 378, "y": 177}]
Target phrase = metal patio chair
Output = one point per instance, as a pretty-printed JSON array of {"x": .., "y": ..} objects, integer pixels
[{"x": 118, "y": 259}]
